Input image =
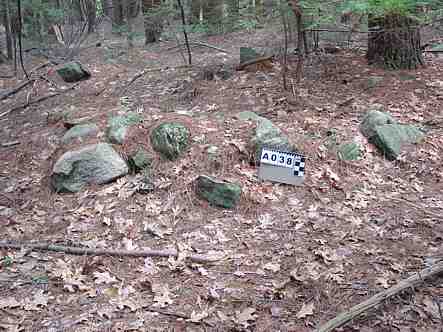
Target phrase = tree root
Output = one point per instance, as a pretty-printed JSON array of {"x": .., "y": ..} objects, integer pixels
[
  {"x": 102, "y": 252},
  {"x": 372, "y": 302}
]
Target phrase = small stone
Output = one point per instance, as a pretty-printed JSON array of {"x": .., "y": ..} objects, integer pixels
[
  {"x": 118, "y": 126},
  {"x": 212, "y": 152},
  {"x": 248, "y": 115},
  {"x": 142, "y": 159},
  {"x": 80, "y": 132},
  {"x": 170, "y": 139},
  {"x": 218, "y": 192},
  {"x": 373, "y": 81},
  {"x": 270, "y": 136}
]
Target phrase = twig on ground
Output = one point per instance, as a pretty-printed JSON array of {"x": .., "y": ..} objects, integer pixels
[
  {"x": 420, "y": 208},
  {"x": 8, "y": 144},
  {"x": 43, "y": 65},
  {"x": 13, "y": 91},
  {"x": 138, "y": 75},
  {"x": 198, "y": 43},
  {"x": 35, "y": 101},
  {"x": 375, "y": 300},
  {"x": 102, "y": 252}
]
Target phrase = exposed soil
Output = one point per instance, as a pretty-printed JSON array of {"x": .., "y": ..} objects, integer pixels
[{"x": 293, "y": 257}]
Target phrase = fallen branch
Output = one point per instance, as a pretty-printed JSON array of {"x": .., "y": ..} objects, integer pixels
[
  {"x": 102, "y": 252},
  {"x": 8, "y": 144},
  {"x": 372, "y": 302},
  {"x": 243, "y": 65},
  {"x": 35, "y": 101},
  {"x": 197, "y": 43},
  {"x": 13, "y": 91},
  {"x": 140, "y": 74}
]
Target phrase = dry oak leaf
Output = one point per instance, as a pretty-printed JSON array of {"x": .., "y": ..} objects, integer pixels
[
  {"x": 306, "y": 310},
  {"x": 104, "y": 278}
]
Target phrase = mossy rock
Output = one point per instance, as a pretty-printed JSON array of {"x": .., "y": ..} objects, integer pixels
[
  {"x": 73, "y": 72},
  {"x": 92, "y": 164},
  {"x": 270, "y": 136},
  {"x": 118, "y": 126},
  {"x": 372, "y": 120},
  {"x": 140, "y": 160},
  {"x": 391, "y": 138},
  {"x": 218, "y": 192},
  {"x": 350, "y": 151},
  {"x": 170, "y": 139},
  {"x": 248, "y": 54}
]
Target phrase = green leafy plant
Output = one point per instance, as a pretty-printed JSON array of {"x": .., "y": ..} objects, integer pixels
[{"x": 6, "y": 261}]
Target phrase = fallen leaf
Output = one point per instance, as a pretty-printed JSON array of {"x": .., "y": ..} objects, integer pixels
[
  {"x": 104, "y": 278},
  {"x": 274, "y": 267},
  {"x": 306, "y": 310}
]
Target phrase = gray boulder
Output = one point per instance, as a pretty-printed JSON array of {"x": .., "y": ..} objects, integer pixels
[
  {"x": 118, "y": 126},
  {"x": 80, "y": 132},
  {"x": 73, "y": 72},
  {"x": 170, "y": 139},
  {"x": 372, "y": 120},
  {"x": 390, "y": 138},
  {"x": 92, "y": 164},
  {"x": 270, "y": 136},
  {"x": 218, "y": 192}
]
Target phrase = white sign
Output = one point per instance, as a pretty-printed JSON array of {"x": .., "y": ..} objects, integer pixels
[{"x": 280, "y": 166}]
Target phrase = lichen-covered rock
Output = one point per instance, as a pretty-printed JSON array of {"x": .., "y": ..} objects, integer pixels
[
  {"x": 79, "y": 132},
  {"x": 92, "y": 164},
  {"x": 118, "y": 126},
  {"x": 73, "y": 72},
  {"x": 372, "y": 120},
  {"x": 218, "y": 192},
  {"x": 350, "y": 151},
  {"x": 390, "y": 138},
  {"x": 170, "y": 139},
  {"x": 270, "y": 136}
]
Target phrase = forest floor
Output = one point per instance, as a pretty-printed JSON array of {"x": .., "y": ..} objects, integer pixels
[{"x": 291, "y": 257}]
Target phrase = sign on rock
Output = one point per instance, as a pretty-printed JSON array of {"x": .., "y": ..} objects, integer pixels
[{"x": 280, "y": 166}]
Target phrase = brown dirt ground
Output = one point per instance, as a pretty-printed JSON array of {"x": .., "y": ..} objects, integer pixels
[{"x": 294, "y": 257}]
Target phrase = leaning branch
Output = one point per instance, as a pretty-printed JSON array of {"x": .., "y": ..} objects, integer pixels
[
  {"x": 35, "y": 101},
  {"x": 372, "y": 302},
  {"x": 198, "y": 43},
  {"x": 102, "y": 252},
  {"x": 16, "y": 89}
]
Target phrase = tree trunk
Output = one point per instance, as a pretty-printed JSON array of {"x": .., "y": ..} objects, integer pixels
[
  {"x": 153, "y": 22},
  {"x": 91, "y": 14},
  {"x": 233, "y": 7},
  {"x": 394, "y": 42},
  {"x": 8, "y": 35},
  {"x": 117, "y": 13},
  {"x": 132, "y": 10},
  {"x": 107, "y": 7}
]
